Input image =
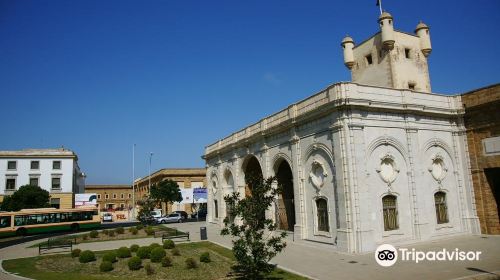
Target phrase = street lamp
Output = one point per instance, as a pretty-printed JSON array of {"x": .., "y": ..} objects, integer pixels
[
  {"x": 133, "y": 182},
  {"x": 150, "y": 156}
]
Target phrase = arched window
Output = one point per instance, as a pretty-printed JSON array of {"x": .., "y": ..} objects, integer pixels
[
  {"x": 441, "y": 208},
  {"x": 390, "y": 209},
  {"x": 322, "y": 209},
  {"x": 216, "y": 209}
]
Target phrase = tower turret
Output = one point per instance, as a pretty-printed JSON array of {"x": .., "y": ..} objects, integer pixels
[
  {"x": 387, "y": 30},
  {"x": 422, "y": 32},
  {"x": 348, "y": 45}
]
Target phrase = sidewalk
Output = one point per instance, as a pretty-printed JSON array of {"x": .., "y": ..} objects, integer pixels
[{"x": 318, "y": 261}]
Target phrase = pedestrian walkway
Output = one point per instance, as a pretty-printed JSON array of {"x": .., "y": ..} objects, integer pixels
[{"x": 319, "y": 261}]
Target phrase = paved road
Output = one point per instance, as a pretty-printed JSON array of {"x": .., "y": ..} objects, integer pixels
[{"x": 318, "y": 261}]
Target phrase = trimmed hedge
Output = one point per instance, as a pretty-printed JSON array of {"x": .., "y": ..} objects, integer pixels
[
  {"x": 144, "y": 252},
  {"x": 75, "y": 253},
  {"x": 154, "y": 245},
  {"x": 166, "y": 261},
  {"x": 123, "y": 253},
  {"x": 109, "y": 257},
  {"x": 157, "y": 254},
  {"x": 168, "y": 244},
  {"x": 106, "y": 266},
  {"x": 134, "y": 231},
  {"x": 191, "y": 263},
  {"x": 94, "y": 234},
  {"x": 86, "y": 256},
  {"x": 134, "y": 263},
  {"x": 134, "y": 248},
  {"x": 139, "y": 227},
  {"x": 205, "y": 257},
  {"x": 111, "y": 233},
  {"x": 120, "y": 230},
  {"x": 149, "y": 230}
]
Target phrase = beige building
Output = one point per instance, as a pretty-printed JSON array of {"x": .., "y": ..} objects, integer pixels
[
  {"x": 186, "y": 178},
  {"x": 112, "y": 197}
]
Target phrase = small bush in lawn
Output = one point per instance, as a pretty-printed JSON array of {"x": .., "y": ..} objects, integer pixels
[
  {"x": 149, "y": 269},
  {"x": 105, "y": 232},
  {"x": 111, "y": 233},
  {"x": 168, "y": 244},
  {"x": 176, "y": 252},
  {"x": 166, "y": 261},
  {"x": 205, "y": 257},
  {"x": 191, "y": 263},
  {"x": 157, "y": 254},
  {"x": 94, "y": 234},
  {"x": 154, "y": 245},
  {"x": 144, "y": 252},
  {"x": 109, "y": 257},
  {"x": 134, "y": 231},
  {"x": 139, "y": 227},
  {"x": 134, "y": 263},
  {"x": 149, "y": 230},
  {"x": 75, "y": 253},
  {"x": 106, "y": 266},
  {"x": 123, "y": 253},
  {"x": 86, "y": 256},
  {"x": 134, "y": 247},
  {"x": 119, "y": 230},
  {"x": 85, "y": 237}
]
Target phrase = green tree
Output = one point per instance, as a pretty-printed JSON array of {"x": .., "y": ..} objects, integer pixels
[
  {"x": 147, "y": 206},
  {"x": 26, "y": 197},
  {"x": 166, "y": 192},
  {"x": 256, "y": 240}
]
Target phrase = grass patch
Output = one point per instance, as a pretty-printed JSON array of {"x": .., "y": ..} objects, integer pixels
[
  {"x": 52, "y": 267},
  {"x": 104, "y": 237}
]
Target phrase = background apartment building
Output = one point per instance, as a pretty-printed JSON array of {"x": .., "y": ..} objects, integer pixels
[{"x": 112, "y": 197}]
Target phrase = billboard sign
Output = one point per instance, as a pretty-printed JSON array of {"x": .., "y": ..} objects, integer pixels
[
  {"x": 200, "y": 195},
  {"x": 85, "y": 199}
]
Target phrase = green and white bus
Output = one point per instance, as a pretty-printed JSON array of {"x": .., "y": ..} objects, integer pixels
[{"x": 32, "y": 221}]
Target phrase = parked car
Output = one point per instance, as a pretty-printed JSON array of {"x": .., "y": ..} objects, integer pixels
[
  {"x": 184, "y": 214},
  {"x": 170, "y": 218},
  {"x": 107, "y": 217}
]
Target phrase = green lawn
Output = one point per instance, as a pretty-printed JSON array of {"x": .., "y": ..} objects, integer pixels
[{"x": 57, "y": 267}]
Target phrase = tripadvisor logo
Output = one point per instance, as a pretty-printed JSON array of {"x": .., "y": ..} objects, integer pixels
[{"x": 387, "y": 255}]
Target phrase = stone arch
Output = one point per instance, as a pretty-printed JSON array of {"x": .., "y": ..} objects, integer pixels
[
  {"x": 387, "y": 141},
  {"x": 285, "y": 203},
  {"x": 278, "y": 159},
  {"x": 318, "y": 146},
  {"x": 436, "y": 142},
  {"x": 251, "y": 168}
]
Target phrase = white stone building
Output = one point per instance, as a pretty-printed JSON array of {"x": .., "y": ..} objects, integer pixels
[
  {"x": 377, "y": 160},
  {"x": 55, "y": 170}
]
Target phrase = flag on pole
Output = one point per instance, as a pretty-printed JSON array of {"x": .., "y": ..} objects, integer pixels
[{"x": 378, "y": 3}]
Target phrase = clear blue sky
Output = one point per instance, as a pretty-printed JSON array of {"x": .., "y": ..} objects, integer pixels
[{"x": 174, "y": 76}]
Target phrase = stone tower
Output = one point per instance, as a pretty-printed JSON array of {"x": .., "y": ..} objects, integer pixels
[{"x": 391, "y": 58}]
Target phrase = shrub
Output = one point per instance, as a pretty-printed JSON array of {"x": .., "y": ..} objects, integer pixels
[
  {"x": 139, "y": 227},
  {"x": 105, "y": 232},
  {"x": 205, "y": 257},
  {"x": 157, "y": 254},
  {"x": 168, "y": 244},
  {"x": 154, "y": 245},
  {"x": 119, "y": 230},
  {"x": 109, "y": 257},
  {"x": 149, "y": 230},
  {"x": 149, "y": 269},
  {"x": 144, "y": 252},
  {"x": 134, "y": 263},
  {"x": 191, "y": 263},
  {"x": 166, "y": 261},
  {"x": 94, "y": 234},
  {"x": 75, "y": 253},
  {"x": 123, "y": 253},
  {"x": 106, "y": 266},
  {"x": 134, "y": 247},
  {"x": 87, "y": 256},
  {"x": 134, "y": 231},
  {"x": 85, "y": 237},
  {"x": 111, "y": 233}
]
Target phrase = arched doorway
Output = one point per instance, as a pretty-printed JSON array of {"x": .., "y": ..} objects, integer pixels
[
  {"x": 228, "y": 176},
  {"x": 251, "y": 169},
  {"x": 285, "y": 210}
]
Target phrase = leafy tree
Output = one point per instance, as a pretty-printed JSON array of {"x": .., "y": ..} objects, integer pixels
[
  {"x": 251, "y": 249},
  {"x": 147, "y": 206},
  {"x": 26, "y": 197},
  {"x": 166, "y": 192}
]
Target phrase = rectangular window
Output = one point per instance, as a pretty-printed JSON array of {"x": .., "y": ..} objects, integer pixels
[
  {"x": 35, "y": 165},
  {"x": 10, "y": 184},
  {"x": 107, "y": 196},
  {"x": 122, "y": 196},
  {"x": 389, "y": 203},
  {"x": 407, "y": 53},
  {"x": 129, "y": 195},
  {"x": 114, "y": 196},
  {"x": 56, "y": 164},
  {"x": 411, "y": 86},
  {"x": 34, "y": 181},
  {"x": 216, "y": 209},
  {"x": 369, "y": 59},
  {"x": 56, "y": 183},
  {"x": 12, "y": 165},
  {"x": 5, "y": 221},
  {"x": 55, "y": 203},
  {"x": 122, "y": 206},
  {"x": 441, "y": 208},
  {"x": 98, "y": 196}
]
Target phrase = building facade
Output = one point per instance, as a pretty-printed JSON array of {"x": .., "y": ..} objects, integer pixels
[
  {"x": 482, "y": 115},
  {"x": 379, "y": 160},
  {"x": 112, "y": 197},
  {"x": 55, "y": 170},
  {"x": 186, "y": 178}
]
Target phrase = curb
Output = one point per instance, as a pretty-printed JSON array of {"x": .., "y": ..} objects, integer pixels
[{"x": 3, "y": 271}]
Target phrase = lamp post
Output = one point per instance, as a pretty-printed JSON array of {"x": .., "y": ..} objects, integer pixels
[
  {"x": 133, "y": 182},
  {"x": 150, "y": 156}
]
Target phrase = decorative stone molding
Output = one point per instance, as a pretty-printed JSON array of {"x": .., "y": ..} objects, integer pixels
[
  {"x": 387, "y": 169},
  {"x": 317, "y": 174},
  {"x": 438, "y": 168}
]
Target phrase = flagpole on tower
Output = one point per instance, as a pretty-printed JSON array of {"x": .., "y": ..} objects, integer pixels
[{"x": 379, "y": 4}]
